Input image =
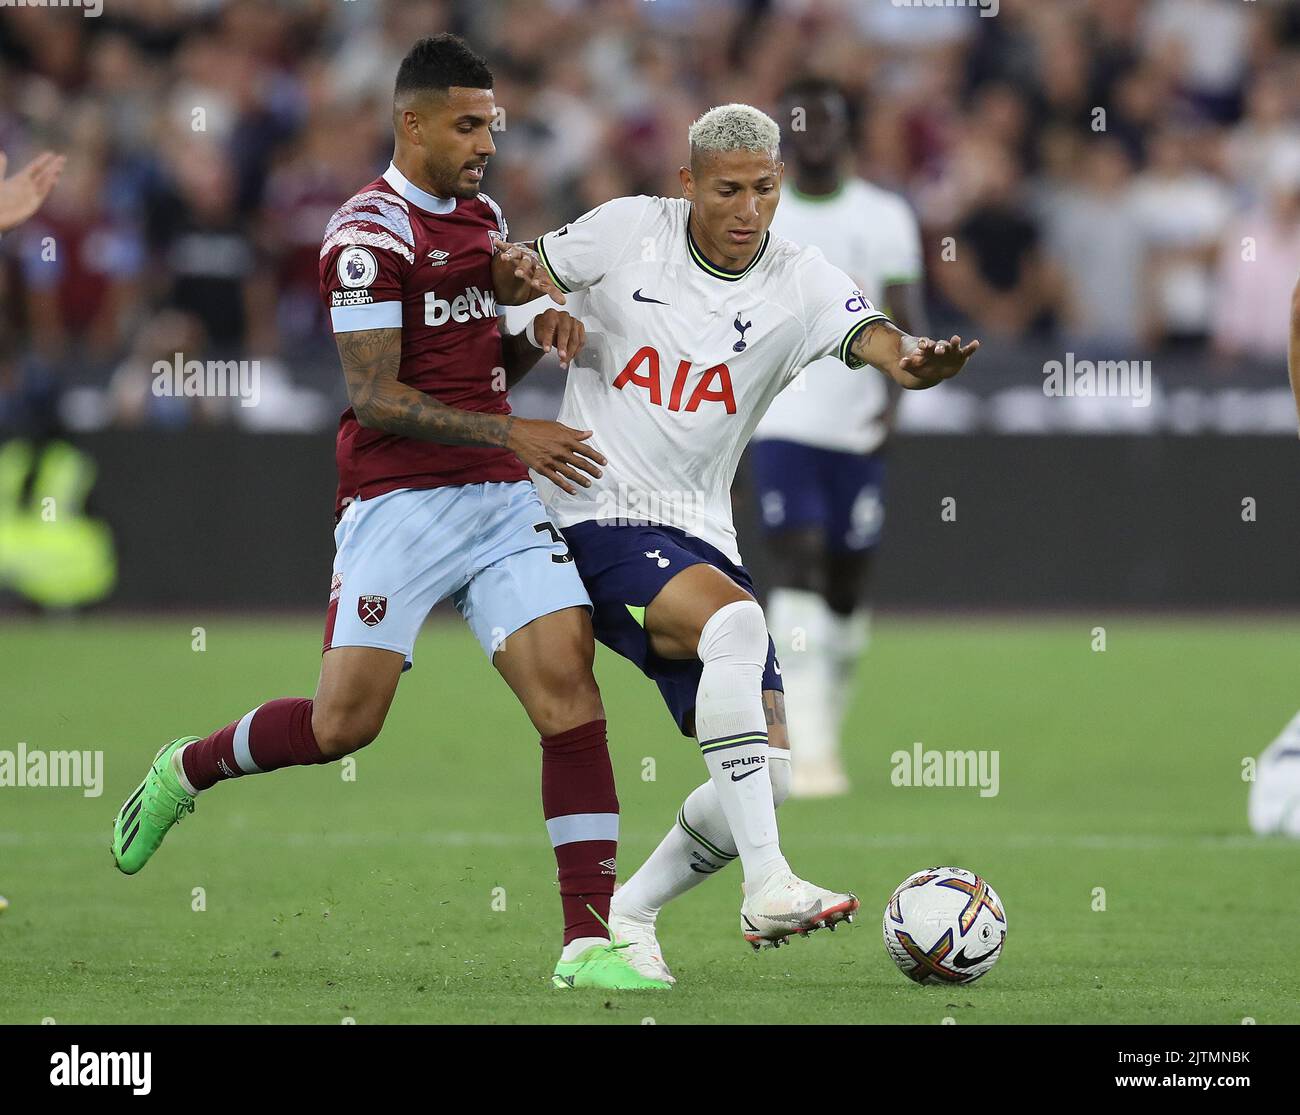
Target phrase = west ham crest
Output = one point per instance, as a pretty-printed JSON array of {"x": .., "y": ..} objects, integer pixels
[{"x": 372, "y": 609}]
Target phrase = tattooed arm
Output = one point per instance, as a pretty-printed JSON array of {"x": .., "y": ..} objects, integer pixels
[
  {"x": 912, "y": 362},
  {"x": 371, "y": 359}
]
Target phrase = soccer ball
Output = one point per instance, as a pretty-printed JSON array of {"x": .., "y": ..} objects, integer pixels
[{"x": 944, "y": 925}]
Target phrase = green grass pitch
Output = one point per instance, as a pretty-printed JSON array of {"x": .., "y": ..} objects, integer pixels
[{"x": 375, "y": 898}]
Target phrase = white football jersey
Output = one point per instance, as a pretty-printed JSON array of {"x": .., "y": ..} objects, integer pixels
[
  {"x": 682, "y": 358},
  {"x": 871, "y": 235}
]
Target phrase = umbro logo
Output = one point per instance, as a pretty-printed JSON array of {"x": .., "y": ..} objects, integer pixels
[
  {"x": 637, "y": 296},
  {"x": 609, "y": 866},
  {"x": 658, "y": 558},
  {"x": 438, "y": 258}
]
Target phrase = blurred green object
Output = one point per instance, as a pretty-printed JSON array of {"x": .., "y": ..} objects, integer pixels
[{"x": 50, "y": 552}]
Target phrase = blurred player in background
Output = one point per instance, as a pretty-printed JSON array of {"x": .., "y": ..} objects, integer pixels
[
  {"x": 20, "y": 197},
  {"x": 434, "y": 501},
  {"x": 697, "y": 315},
  {"x": 1274, "y": 804},
  {"x": 817, "y": 458}
]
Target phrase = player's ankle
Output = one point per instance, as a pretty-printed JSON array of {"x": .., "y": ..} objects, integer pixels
[{"x": 579, "y": 945}]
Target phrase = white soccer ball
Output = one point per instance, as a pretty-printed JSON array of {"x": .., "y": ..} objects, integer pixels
[{"x": 945, "y": 925}]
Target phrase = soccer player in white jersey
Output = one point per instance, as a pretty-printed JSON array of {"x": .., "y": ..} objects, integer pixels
[
  {"x": 1274, "y": 804},
  {"x": 696, "y": 316},
  {"x": 819, "y": 484}
]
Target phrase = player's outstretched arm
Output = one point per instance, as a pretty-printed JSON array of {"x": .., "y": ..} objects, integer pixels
[
  {"x": 912, "y": 362},
  {"x": 371, "y": 359}
]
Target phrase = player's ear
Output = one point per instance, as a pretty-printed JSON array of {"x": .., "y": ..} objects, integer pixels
[
  {"x": 688, "y": 182},
  {"x": 409, "y": 121}
]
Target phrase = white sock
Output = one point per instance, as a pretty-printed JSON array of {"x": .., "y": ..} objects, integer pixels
[
  {"x": 178, "y": 769},
  {"x": 579, "y": 945},
  {"x": 697, "y": 846},
  {"x": 849, "y": 637},
  {"x": 732, "y": 729},
  {"x": 805, "y": 635}
]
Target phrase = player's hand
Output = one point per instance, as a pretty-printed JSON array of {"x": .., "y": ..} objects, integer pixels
[
  {"x": 556, "y": 451},
  {"x": 932, "y": 362},
  {"x": 556, "y": 329},
  {"x": 23, "y": 194},
  {"x": 519, "y": 275}
]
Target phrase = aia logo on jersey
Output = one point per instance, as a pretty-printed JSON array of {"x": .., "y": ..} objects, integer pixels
[
  {"x": 643, "y": 371},
  {"x": 372, "y": 609}
]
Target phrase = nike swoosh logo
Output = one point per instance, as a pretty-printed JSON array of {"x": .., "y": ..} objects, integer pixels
[
  {"x": 961, "y": 960},
  {"x": 742, "y": 777},
  {"x": 636, "y": 297}
]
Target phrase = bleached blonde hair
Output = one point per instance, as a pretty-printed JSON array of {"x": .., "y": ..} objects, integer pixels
[{"x": 735, "y": 128}]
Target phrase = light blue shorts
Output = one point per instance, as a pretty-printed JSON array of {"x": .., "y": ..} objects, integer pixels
[{"x": 490, "y": 547}]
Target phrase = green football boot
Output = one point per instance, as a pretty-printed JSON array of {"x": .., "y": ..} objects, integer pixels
[
  {"x": 604, "y": 966},
  {"x": 149, "y": 813}
]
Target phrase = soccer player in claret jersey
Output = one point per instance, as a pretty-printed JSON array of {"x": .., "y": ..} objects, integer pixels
[
  {"x": 697, "y": 316},
  {"x": 434, "y": 501},
  {"x": 820, "y": 484}
]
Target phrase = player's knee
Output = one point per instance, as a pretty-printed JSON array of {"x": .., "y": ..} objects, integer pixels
[
  {"x": 566, "y": 694},
  {"x": 735, "y": 632},
  {"x": 341, "y": 733}
]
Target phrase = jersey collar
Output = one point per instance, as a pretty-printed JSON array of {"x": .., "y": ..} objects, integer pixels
[
  {"x": 722, "y": 272},
  {"x": 430, "y": 203}
]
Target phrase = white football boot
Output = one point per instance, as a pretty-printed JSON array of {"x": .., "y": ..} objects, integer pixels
[
  {"x": 786, "y": 905},
  {"x": 644, "y": 953}
]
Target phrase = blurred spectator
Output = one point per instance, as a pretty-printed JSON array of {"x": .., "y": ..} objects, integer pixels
[
  {"x": 997, "y": 275},
  {"x": 170, "y": 336},
  {"x": 1094, "y": 235},
  {"x": 1258, "y": 266},
  {"x": 1182, "y": 212}
]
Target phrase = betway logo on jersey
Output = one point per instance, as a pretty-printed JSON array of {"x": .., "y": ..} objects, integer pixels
[
  {"x": 470, "y": 306},
  {"x": 644, "y": 371}
]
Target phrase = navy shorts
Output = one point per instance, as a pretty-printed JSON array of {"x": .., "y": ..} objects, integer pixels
[
  {"x": 624, "y": 568},
  {"x": 800, "y": 486}
]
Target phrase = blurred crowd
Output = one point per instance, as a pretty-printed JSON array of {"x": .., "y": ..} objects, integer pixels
[{"x": 1108, "y": 175}]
